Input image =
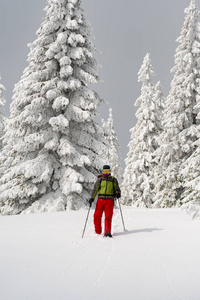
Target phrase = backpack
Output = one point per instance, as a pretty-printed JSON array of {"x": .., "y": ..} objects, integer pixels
[{"x": 105, "y": 179}]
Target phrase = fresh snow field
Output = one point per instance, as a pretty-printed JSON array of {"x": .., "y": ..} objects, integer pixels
[{"x": 43, "y": 257}]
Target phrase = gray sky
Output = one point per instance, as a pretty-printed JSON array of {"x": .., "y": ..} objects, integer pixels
[{"x": 124, "y": 32}]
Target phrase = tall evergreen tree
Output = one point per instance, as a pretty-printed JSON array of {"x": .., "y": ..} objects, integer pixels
[
  {"x": 190, "y": 173},
  {"x": 137, "y": 185},
  {"x": 51, "y": 154},
  {"x": 181, "y": 110},
  {"x": 159, "y": 101},
  {"x": 111, "y": 155}
]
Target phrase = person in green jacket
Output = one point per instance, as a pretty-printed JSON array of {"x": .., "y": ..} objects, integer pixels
[{"x": 108, "y": 189}]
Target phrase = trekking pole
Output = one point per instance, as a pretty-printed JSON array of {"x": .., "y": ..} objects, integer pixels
[
  {"x": 86, "y": 221},
  {"x": 121, "y": 215}
]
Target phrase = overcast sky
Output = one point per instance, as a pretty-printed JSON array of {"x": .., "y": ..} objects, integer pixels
[{"x": 124, "y": 32}]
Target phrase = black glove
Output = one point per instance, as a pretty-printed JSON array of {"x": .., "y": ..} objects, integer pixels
[
  {"x": 118, "y": 195},
  {"x": 90, "y": 201}
]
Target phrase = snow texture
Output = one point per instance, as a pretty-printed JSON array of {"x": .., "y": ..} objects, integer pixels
[{"x": 44, "y": 257}]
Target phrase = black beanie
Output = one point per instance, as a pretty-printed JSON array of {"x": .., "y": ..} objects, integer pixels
[{"x": 106, "y": 167}]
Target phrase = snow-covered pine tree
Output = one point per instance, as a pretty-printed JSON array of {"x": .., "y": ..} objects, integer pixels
[
  {"x": 111, "y": 155},
  {"x": 137, "y": 185},
  {"x": 2, "y": 116},
  {"x": 181, "y": 110},
  {"x": 159, "y": 101},
  {"x": 190, "y": 172},
  {"x": 52, "y": 145}
]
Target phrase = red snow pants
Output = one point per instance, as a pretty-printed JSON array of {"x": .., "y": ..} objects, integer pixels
[{"x": 106, "y": 206}]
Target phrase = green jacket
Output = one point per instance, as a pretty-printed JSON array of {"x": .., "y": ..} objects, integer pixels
[{"x": 106, "y": 187}]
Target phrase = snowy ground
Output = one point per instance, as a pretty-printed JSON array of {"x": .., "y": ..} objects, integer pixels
[{"x": 43, "y": 257}]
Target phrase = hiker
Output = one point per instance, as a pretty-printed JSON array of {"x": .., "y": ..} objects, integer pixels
[{"x": 108, "y": 189}]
